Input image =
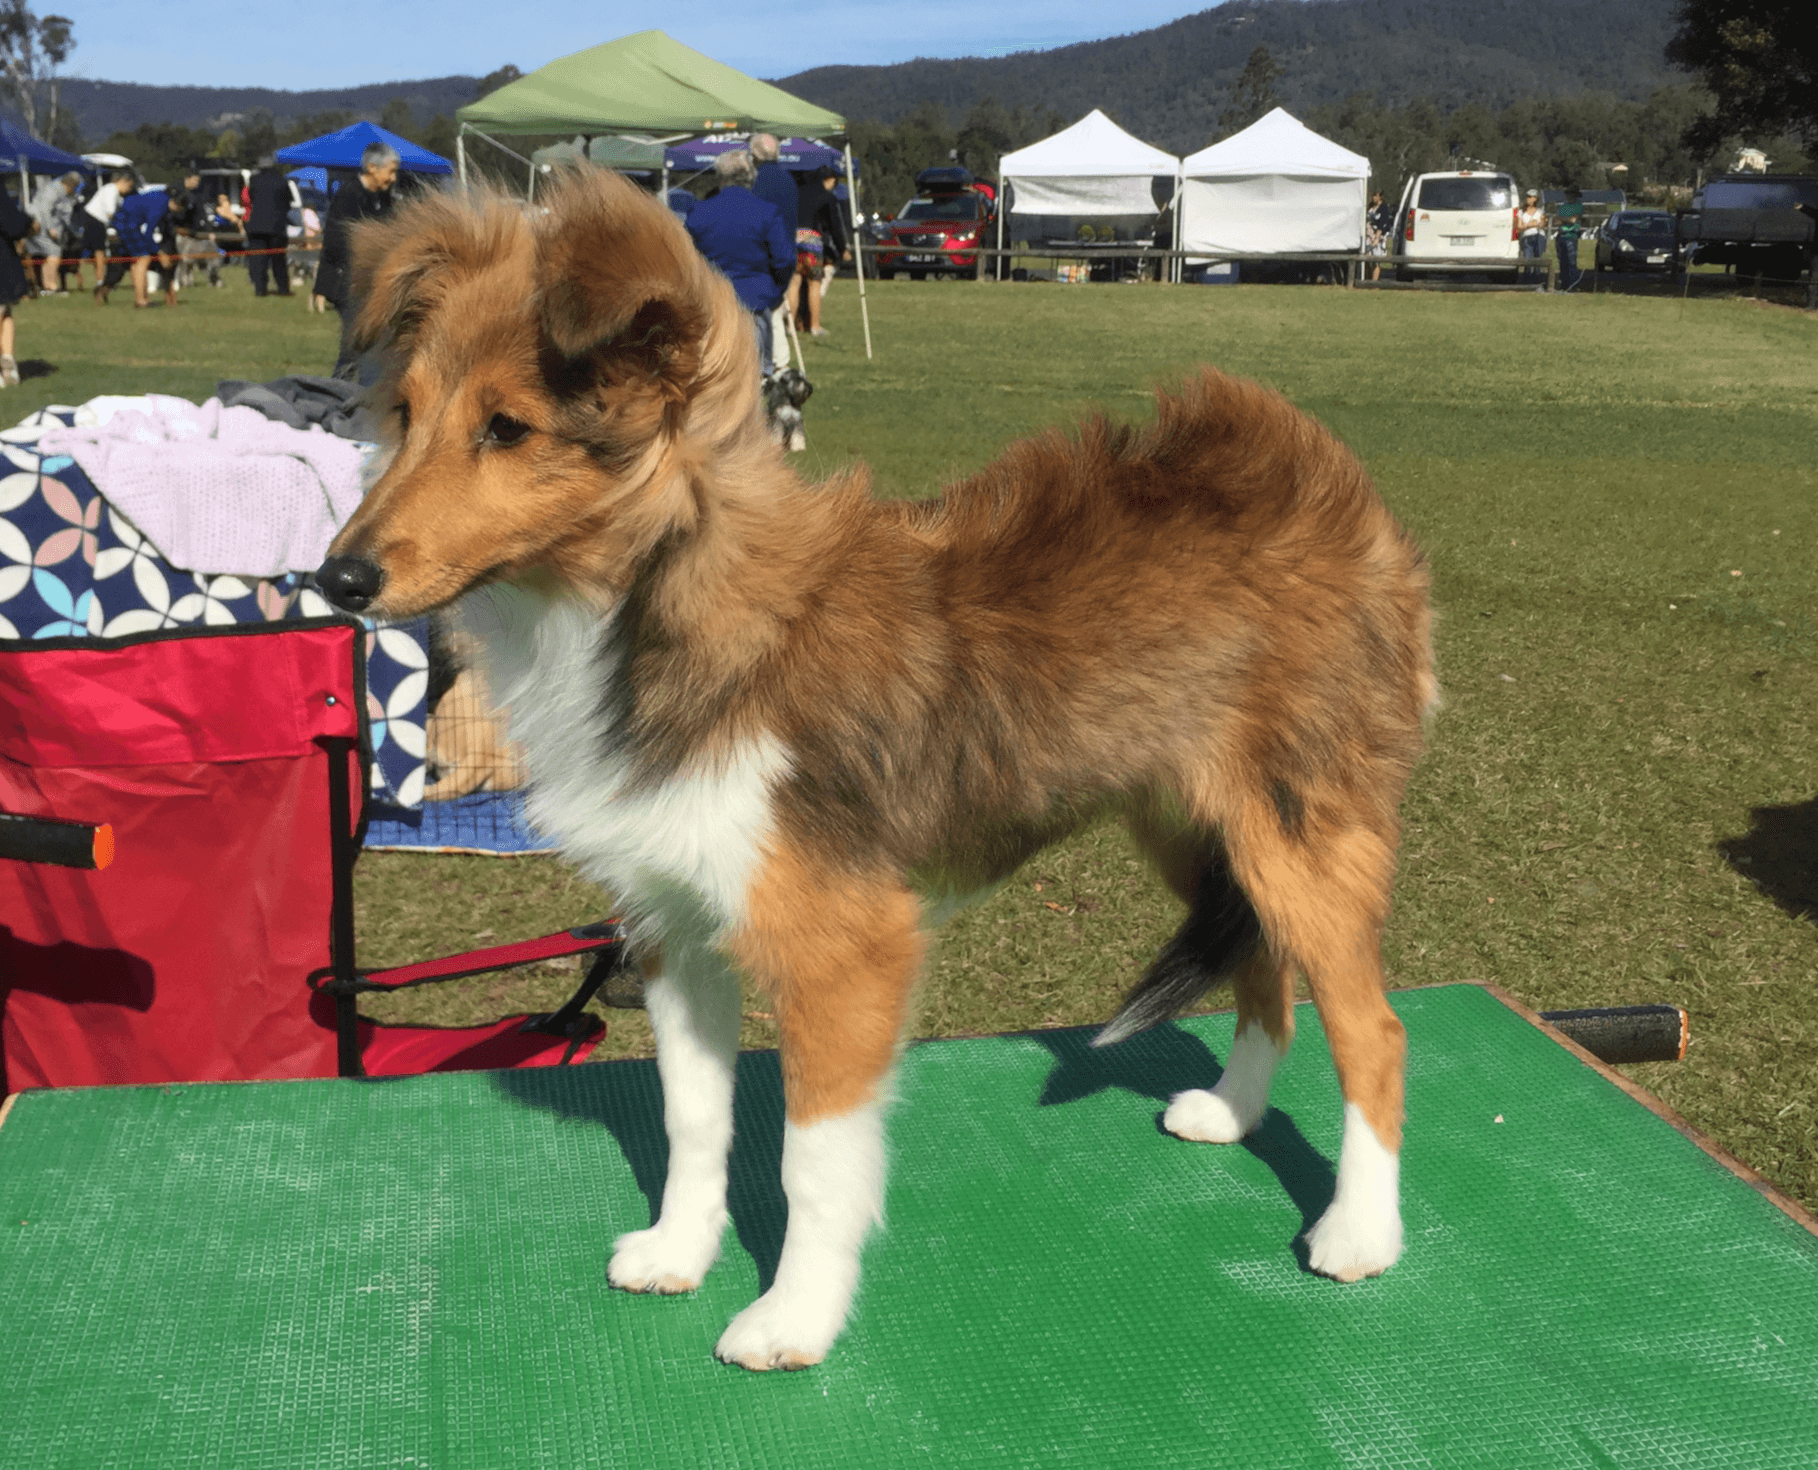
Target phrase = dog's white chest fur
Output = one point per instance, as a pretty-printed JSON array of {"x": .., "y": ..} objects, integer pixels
[{"x": 679, "y": 855}]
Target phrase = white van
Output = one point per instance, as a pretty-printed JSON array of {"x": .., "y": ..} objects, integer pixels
[{"x": 1464, "y": 215}]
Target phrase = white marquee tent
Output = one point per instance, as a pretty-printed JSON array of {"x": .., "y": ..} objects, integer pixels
[
  {"x": 1093, "y": 167},
  {"x": 1275, "y": 188}
]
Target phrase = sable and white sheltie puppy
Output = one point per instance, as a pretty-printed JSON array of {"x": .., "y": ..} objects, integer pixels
[{"x": 775, "y": 718}]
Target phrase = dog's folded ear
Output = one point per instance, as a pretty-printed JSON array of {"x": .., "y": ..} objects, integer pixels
[
  {"x": 402, "y": 264},
  {"x": 621, "y": 283}
]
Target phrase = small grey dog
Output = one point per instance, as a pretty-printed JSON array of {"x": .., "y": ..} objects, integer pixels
[{"x": 784, "y": 395}]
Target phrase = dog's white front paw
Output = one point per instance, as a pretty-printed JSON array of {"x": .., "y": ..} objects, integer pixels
[
  {"x": 1360, "y": 1233},
  {"x": 783, "y": 1330},
  {"x": 1351, "y": 1242},
  {"x": 663, "y": 1260},
  {"x": 1205, "y": 1117}
]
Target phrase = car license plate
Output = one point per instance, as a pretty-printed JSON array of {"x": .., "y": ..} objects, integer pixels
[
  {"x": 921, "y": 259},
  {"x": 1657, "y": 259},
  {"x": 1461, "y": 239}
]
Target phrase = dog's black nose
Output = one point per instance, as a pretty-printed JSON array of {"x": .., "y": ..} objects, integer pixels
[{"x": 349, "y": 582}]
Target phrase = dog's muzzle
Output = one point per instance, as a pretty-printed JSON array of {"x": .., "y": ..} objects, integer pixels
[{"x": 349, "y": 582}]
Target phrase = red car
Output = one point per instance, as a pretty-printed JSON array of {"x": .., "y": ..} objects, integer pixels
[{"x": 940, "y": 230}]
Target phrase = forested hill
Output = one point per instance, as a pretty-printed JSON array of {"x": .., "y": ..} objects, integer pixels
[
  {"x": 109, "y": 107},
  {"x": 1168, "y": 85}
]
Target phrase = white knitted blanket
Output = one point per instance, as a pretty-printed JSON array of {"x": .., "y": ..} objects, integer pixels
[{"x": 214, "y": 489}]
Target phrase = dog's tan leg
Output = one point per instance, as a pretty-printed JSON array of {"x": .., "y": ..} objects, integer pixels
[
  {"x": 693, "y": 1001},
  {"x": 838, "y": 955},
  {"x": 1322, "y": 896}
]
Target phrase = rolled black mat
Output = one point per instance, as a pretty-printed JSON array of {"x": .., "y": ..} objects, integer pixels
[
  {"x": 1626, "y": 1033},
  {"x": 48, "y": 840}
]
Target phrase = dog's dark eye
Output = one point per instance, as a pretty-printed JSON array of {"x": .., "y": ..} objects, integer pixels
[
  {"x": 403, "y": 417},
  {"x": 504, "y": 430}
]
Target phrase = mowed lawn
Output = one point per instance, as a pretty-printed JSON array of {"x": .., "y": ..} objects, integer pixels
[{"x": 1617, "y": 496}]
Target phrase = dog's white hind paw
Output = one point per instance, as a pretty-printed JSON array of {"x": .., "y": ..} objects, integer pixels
[
  {"x": 1205, "y": 1117},
  {"x": 781, "y": 1331},
  {"x": 666, "y": 1262}
]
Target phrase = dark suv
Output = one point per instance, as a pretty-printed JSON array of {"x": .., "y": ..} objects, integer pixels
[{"x": 940, "y": 230}]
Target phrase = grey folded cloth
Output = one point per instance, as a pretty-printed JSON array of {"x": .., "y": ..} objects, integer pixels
[{"x": 338, "y": 407}]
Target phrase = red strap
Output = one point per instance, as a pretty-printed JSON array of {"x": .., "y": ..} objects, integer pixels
[{"x": 478, "y": 961}]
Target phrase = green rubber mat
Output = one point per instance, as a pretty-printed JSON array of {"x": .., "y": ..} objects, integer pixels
[{"x": 412, "y": 1272}]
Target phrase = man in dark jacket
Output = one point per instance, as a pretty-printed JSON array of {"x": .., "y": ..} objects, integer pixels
[
  {"x": 369, "y": 197},
  {"x": 268, "y": 227},
  {"x": 776, "y": 185},
  {"x": 743, "y": 236}
]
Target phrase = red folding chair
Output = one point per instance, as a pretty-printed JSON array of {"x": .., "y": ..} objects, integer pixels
[{"x": 229, "y": 764}]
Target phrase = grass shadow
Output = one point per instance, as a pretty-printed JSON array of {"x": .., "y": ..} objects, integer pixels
[
  {"x": 1159, "y": 1063},
  {"x": 35, "y": 367},
  {"x": 1779, "y": 855},
  {"x": 626, "y": 1098}
]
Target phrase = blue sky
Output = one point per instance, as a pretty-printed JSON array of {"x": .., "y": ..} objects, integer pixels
[{"x": 339, "y": 43}]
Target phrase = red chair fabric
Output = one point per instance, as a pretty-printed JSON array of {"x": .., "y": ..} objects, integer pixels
[{"x": 186, "y": 958}]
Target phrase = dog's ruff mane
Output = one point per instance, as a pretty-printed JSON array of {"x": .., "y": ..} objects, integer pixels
[{"x": 768, "y": 714}]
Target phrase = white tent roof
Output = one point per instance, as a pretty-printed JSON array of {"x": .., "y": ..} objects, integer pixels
[
  {"x": 1276, "y": 143},
  {"x": 1094, "y": 147},
  {"x": 1093, "y": 167}
]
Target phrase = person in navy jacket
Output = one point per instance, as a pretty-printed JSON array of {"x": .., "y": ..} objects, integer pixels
[
  {"x": 140, "y": 222},
  {"x": 776, "y": 185},
  {"x": 745, "y": 238}
]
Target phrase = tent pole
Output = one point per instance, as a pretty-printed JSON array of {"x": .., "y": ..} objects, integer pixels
[
  {"x": 461, "y": 155},
  {"x": 1003, "y": 195},
  {"x": 1177, "y": 270},
  {"x": 858, "y": 247}
]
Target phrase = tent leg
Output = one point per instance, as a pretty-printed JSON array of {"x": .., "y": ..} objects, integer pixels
[
  {"x": 461, "y": 156},
  {"x": 858, "y": 248},
  {"x": 997, "y": 273}
]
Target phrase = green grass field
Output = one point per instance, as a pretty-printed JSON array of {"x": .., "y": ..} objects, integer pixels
[{"x": 1617, "y": 494}]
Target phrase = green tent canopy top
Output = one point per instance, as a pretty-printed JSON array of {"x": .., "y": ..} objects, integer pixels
[{"x": 645, "y": 83}]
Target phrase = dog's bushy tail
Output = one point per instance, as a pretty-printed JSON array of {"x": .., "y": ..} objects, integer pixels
[{"x": 1218, "y": 934}]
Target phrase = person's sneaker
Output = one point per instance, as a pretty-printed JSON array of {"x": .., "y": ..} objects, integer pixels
[
  {"x": 818, "y": 332},
  {"x": 9, "y": 372}
]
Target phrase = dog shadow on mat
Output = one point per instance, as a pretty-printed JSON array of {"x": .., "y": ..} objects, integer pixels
[
  {"x": 1167, "y": 1060},
  {"x": 627, "y": 1100}
]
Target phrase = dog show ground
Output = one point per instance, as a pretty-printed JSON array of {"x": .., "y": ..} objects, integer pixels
[{"x": 412, "y": 1271}]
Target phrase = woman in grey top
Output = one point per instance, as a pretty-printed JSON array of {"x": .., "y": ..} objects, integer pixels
[{"x": 51, "y": 208}]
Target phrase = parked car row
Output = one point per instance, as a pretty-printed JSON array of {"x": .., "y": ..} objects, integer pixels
[{"x": 1757, "y": 223}]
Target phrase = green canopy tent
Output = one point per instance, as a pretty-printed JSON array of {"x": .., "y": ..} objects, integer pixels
[
  {"x": 649, "y": 84},
  {"x": 645, "y": 83}
]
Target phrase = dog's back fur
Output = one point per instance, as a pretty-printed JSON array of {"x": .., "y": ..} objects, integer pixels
[{"x": 1211, "y": 626}]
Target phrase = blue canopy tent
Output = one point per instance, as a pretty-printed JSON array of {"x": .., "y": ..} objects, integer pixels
[
  {"x": 343, "y": 150},
  {"x": 23, "y": 154}
]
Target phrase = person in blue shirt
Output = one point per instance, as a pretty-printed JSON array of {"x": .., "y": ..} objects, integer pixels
[
  {"x": 141, "y": 222},
  {"x": 744, "y": 237}
]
